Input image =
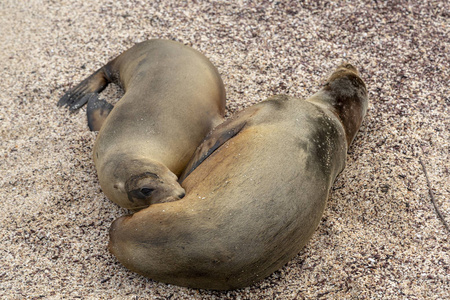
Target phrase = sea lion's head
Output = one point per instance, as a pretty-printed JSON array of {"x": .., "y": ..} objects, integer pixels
[
  {"x": 135, "y": 183},
  {"x": 150, "y": 188},
  {"x": 347, "y": 93}
]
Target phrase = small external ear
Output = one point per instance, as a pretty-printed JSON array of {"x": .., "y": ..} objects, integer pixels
[{"x": 97, "y": 111}]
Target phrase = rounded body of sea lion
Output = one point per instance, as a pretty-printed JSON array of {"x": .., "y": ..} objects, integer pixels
[
  {"x": 173, "y": 97},
  {"x": 256, "y": 190}
]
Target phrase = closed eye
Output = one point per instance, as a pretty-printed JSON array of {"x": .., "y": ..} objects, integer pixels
[{"x": 146, "y": 191}]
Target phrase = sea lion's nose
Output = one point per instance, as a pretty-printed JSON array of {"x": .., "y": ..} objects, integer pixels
[{"x": 182, "y": 195}]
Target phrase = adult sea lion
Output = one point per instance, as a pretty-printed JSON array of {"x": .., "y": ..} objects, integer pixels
[
  {"x": 173, "y": 97},
  {"x": 255, "y": 193}
]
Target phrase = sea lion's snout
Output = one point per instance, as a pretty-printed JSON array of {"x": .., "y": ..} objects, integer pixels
[
  {"x": 349, "y": 67},
  {"x": 344, "y": 70}
]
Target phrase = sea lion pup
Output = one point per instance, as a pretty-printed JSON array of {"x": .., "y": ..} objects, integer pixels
[
  {"x": 173, "y": 97},
  {"x": 257, "y": 196}
]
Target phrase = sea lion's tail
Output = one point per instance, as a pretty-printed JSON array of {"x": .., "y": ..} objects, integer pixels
[{"x": 79, "y": 96}]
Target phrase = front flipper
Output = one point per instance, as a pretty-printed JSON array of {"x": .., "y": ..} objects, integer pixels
[
  {"x": 217, "y": 137},
  {"x": 78, "y": 96},
  {"x": 97, "y": 111}
]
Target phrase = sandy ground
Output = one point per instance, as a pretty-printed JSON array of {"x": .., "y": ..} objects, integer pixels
[{"x": 380, "y": 237}]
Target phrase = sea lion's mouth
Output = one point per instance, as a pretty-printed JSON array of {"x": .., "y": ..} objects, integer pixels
[
  {"x": 138, "y": 208},
  {"x": 164, "y": 200},
  {"x": 144, "y": 195}
]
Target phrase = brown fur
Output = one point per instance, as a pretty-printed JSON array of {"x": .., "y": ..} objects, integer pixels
[
  {"x": 173, "y": 97},
  {"x": 254, "y": 202}
]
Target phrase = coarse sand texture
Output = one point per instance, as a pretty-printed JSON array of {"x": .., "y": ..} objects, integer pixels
[{"x": 380, "y": 236}]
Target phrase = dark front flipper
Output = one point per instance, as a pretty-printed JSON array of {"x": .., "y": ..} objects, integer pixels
[
  {"x": 97, "y": 111},
  {"x": 216, "y": 138},
  {"x": 78, "y": 96}
]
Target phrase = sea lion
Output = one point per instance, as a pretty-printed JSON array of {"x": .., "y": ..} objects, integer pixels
[
  {"x": 173, "y": 97},
  {"x": 256, "y": 189}
]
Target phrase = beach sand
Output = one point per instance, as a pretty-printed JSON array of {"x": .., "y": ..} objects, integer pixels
[{"x": 380, "y": 236}]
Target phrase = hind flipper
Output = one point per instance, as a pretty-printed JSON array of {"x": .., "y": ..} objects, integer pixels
[
  {"x": 77, "y": 97},
  {"x": 219, "y": 136},
  {"x": 97, "y": 111}
]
